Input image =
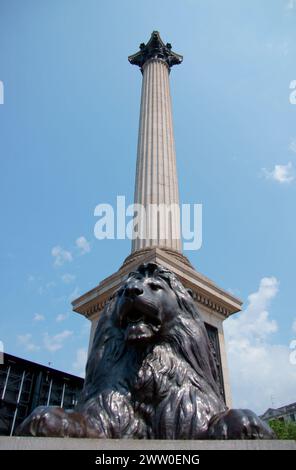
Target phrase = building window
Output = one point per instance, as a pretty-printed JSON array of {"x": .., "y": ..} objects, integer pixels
[{"x": 25, "y": 385}]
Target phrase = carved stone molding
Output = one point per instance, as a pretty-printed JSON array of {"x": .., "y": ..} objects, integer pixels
[{"x": 155, "y": 49}]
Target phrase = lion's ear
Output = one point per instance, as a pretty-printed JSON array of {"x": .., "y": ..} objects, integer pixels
[{"x": 190, "y": 292}]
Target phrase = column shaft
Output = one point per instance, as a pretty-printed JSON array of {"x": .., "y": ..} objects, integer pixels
[{"x": 156, "y": 187}]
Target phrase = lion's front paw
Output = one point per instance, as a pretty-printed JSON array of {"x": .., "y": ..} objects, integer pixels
[
  {"x": 239, "y": 424},
  {"x": 47, "y": 421}
]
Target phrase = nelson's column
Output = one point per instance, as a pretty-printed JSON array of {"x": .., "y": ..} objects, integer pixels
[{"x": 157, "y": 183}]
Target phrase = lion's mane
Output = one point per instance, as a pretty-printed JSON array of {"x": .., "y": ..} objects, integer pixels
[{"x": 166, "y": 389}]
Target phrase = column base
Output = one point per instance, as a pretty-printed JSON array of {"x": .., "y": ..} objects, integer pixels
[{"x": 139, "y": 254}]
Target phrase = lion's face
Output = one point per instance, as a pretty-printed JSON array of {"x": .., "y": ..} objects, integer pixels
[{"x": 146, "y": 307}]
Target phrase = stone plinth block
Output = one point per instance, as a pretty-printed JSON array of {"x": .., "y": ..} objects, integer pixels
[{"x": 47, "y": 443}]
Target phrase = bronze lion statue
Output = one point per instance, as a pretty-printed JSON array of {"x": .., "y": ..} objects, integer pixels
[{"x": 151, "y": 373}]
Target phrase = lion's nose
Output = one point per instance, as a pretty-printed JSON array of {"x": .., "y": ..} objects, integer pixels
[{"x": 133, "y": 291}]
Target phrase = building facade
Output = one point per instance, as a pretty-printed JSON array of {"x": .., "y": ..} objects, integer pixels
[
  {"x": 285, "y": 413},
  {"x": 25, "y": 385}
]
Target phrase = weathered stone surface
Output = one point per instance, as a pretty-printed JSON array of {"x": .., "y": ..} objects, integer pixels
[
  {"x": 156, "y": 174},
  {"x": 44, "y": 443}
]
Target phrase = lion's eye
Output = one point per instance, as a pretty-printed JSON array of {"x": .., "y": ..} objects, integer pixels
[{"x": 155, "y": 286}]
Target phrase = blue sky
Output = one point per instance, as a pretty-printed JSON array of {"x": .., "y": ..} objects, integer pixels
[{"x": 68, "y": 136}]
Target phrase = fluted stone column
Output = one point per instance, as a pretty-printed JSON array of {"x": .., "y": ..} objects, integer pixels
[
  {"x": 156, "y": 186},
  {"x": 156, "y": 182}
]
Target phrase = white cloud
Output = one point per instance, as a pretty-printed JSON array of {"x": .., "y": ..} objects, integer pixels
[
  {"x": 50, "y": 284},
  {"x": 80, "y": 362},
  {"x": 27, "y": 343},
  {"x": 60, "y": 255},
  {"x": 254, "y": 320},
  {"x": 56, "y": 342},
  {"x": 291, "y": 4},
  {"x": 278, "y": 47},
  {"x": 74, "y": 294},
  {"x": 61, "y": 317},
  {"x": 294, "y": 326},
  {"x": 38, "y": 317},
  {"x": 68, "y": 278},
  {"x": 85, "y": 330},
  {"x": 280, "y": 173},
  {"x": 83, "y": 245},
  {"x": 234, "y": 292},
  {"x": 258, "y": 369},
  {"x": 43, "y": 289},
  {"x": 31, "y": 278},
  {"x": 292, "y": 145}
]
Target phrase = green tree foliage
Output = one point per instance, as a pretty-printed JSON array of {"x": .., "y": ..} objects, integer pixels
[{"x": 283, "y": 430}]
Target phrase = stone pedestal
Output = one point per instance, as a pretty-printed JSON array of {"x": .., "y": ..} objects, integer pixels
[
  {"x": 214, "y": 304},
  {"x": 52, "y": 443}
]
